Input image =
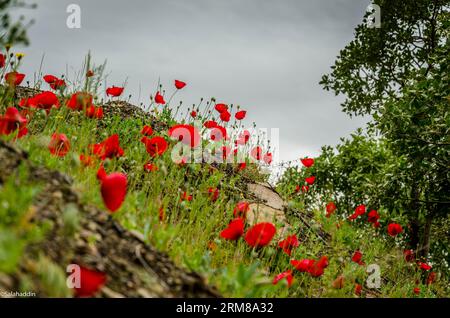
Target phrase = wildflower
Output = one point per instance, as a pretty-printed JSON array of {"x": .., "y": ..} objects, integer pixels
[
  {"x": 424, "y": 266},
  {"x": 187, "y": 134},
  {"x": 260, "y": 234},
  {"x": 14, "y": 78},
  {"x": 86, "y": 160},
  {"x": 218, "y": 133},
  {"x": 221, "y": 108},
  {"x": 59, "y": 145},
  {"x": 256, "y": 153},
  {"x": 79, "y": 101},
  {"x": 330, "y": 208},
  {"x": 285, "y": 275},
  {"x": 240, "y": 115},
  {"x": 94, "y": 112},
  {"x": 394, "y": 229},
  {"x": 109, "y": 148},
  {"x": 114, "y": 91},
  {"x": 268, "y": 158},
  {"x": 54, "y": 82},
  {"x": 357, "y": 258},
  {"x": 159, "y": 99},
  {"x": 360, "y": 210},
  {"x": 155, "y": 146},
  {"x": 225, "y": 116},
  {"x": 305, "y": 188},
  {"x": 193, "y": 114},
  {"x": 288, "y": 244},
  {"x": 358, "y": 289},
  {"x": 210, "y": 124},
  {"x": 373, "y": 217},
  {"x": 313, "y": 267},
  {"x": 409, "y": 255},
  {"x": 303, "y": 265},
  {"x": 234, "y": 230},
  {"x": 416, "y": 290},
  {"x": 45, "y": 100},
  {"x": 89, "y": 73},
  {"x": 213, "y": 194},
  {"x": 431, "y": 278},
  {"x": 2, "y": 60},
  {"x": 90, "y": 282},
  {"x": 179, "y": 84},
  {"x": 310, "y": 180},
  {"x": 114, "y": 189},
  {"x": 241, "y": 209},
  {"x": 149, "y": 167},
  {"x": 185, "y": 197},
  {"x": 307, "y": 162},
  {"x": 147, "y": 131},
  {"x": 11, "y": 121}
]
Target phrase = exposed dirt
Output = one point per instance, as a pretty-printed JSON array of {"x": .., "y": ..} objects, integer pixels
[{"x": 134, "y": 269}]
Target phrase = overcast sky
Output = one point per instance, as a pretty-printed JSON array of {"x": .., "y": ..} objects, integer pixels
[{"x": 267, "y": 56}]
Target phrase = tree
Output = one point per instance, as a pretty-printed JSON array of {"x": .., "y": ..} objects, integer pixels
[
  {"x": 379, "y": 61},
  {"x": 13, "y": 31}
]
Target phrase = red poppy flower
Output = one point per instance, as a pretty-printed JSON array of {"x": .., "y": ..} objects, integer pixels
[
  {"x": 307, "y": 162},
  {"x": 303, "y": 265},
  {"x": 210, "y": 124},
  {"x": 114, "y": 190},
  {"x": 86, "y": 160},
  {"x": 409, "y": 255},
  {"x": 305, "y": 188},
  {"x": 310, "y": 180},
  {"x": 241, "y": 210},
  {"x": 114, "y": 91},
  {"x": 109, "y": 148},
  {"x": 2, "y": 60},
  {"x": 331, "y": 207},
  {"x": 225, "y": 116},
  {"x": 59, "y": 145},
  {"x": 360, "y": 210},
  {"x": 187, "y": 134},
  {"x": 221, "y": 108},
  {"x": 94, "y": 112},
  {"x": 373, "y": 217},
  {"x": 431, "y": 278},
  {"x": 242, "y": 166},
  {"x": 155, "y": 146},
  {"x": 159, "y": 99},
  {"x": 268, "y": 158},
  {"x": 149, "y": 167},
  {"x": 244, "y": 137},
  {"x": 288, "y": 244},
  {"x": 147, "y": 131},
  {"x": 45, "y": 100},
  {"x": 256, "y": 153},
  {"x": 358, "y": 289},
  {"x": 179, "y": 84},
  {"x": 285, "y": 275},
  {"x": 357, "y": 258},
  {"x": 90, "y": 73},
  {"x": 234, "y": 230},
  {"x": 213, "y": 194},
  {"x": 11, "y": 121},
  {"x": 260, "y": 234},
  {"x": 58, "y": 84},
  {"x": 185, "y": 197},
  {"x": 193, "y": 114},
  {"x": 90, "y": 282},
  {"x": 416, "y": 290},
  {"x": 101, "y": 173},
  {"x": 79, "y": 101},
  {"x": 14, "y": 78},
  {"x": 240, "y": 115},
  {"x": 394, "y": 229},
  {"x": 50, "y": 78},
  {"x": 219, "y": 133},
  {"x": 424, "y": 266}
]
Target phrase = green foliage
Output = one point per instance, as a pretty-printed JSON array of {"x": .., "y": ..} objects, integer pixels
[
  {"x": 379, "y": 61},
  {"x": 12, "y": 31}
]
